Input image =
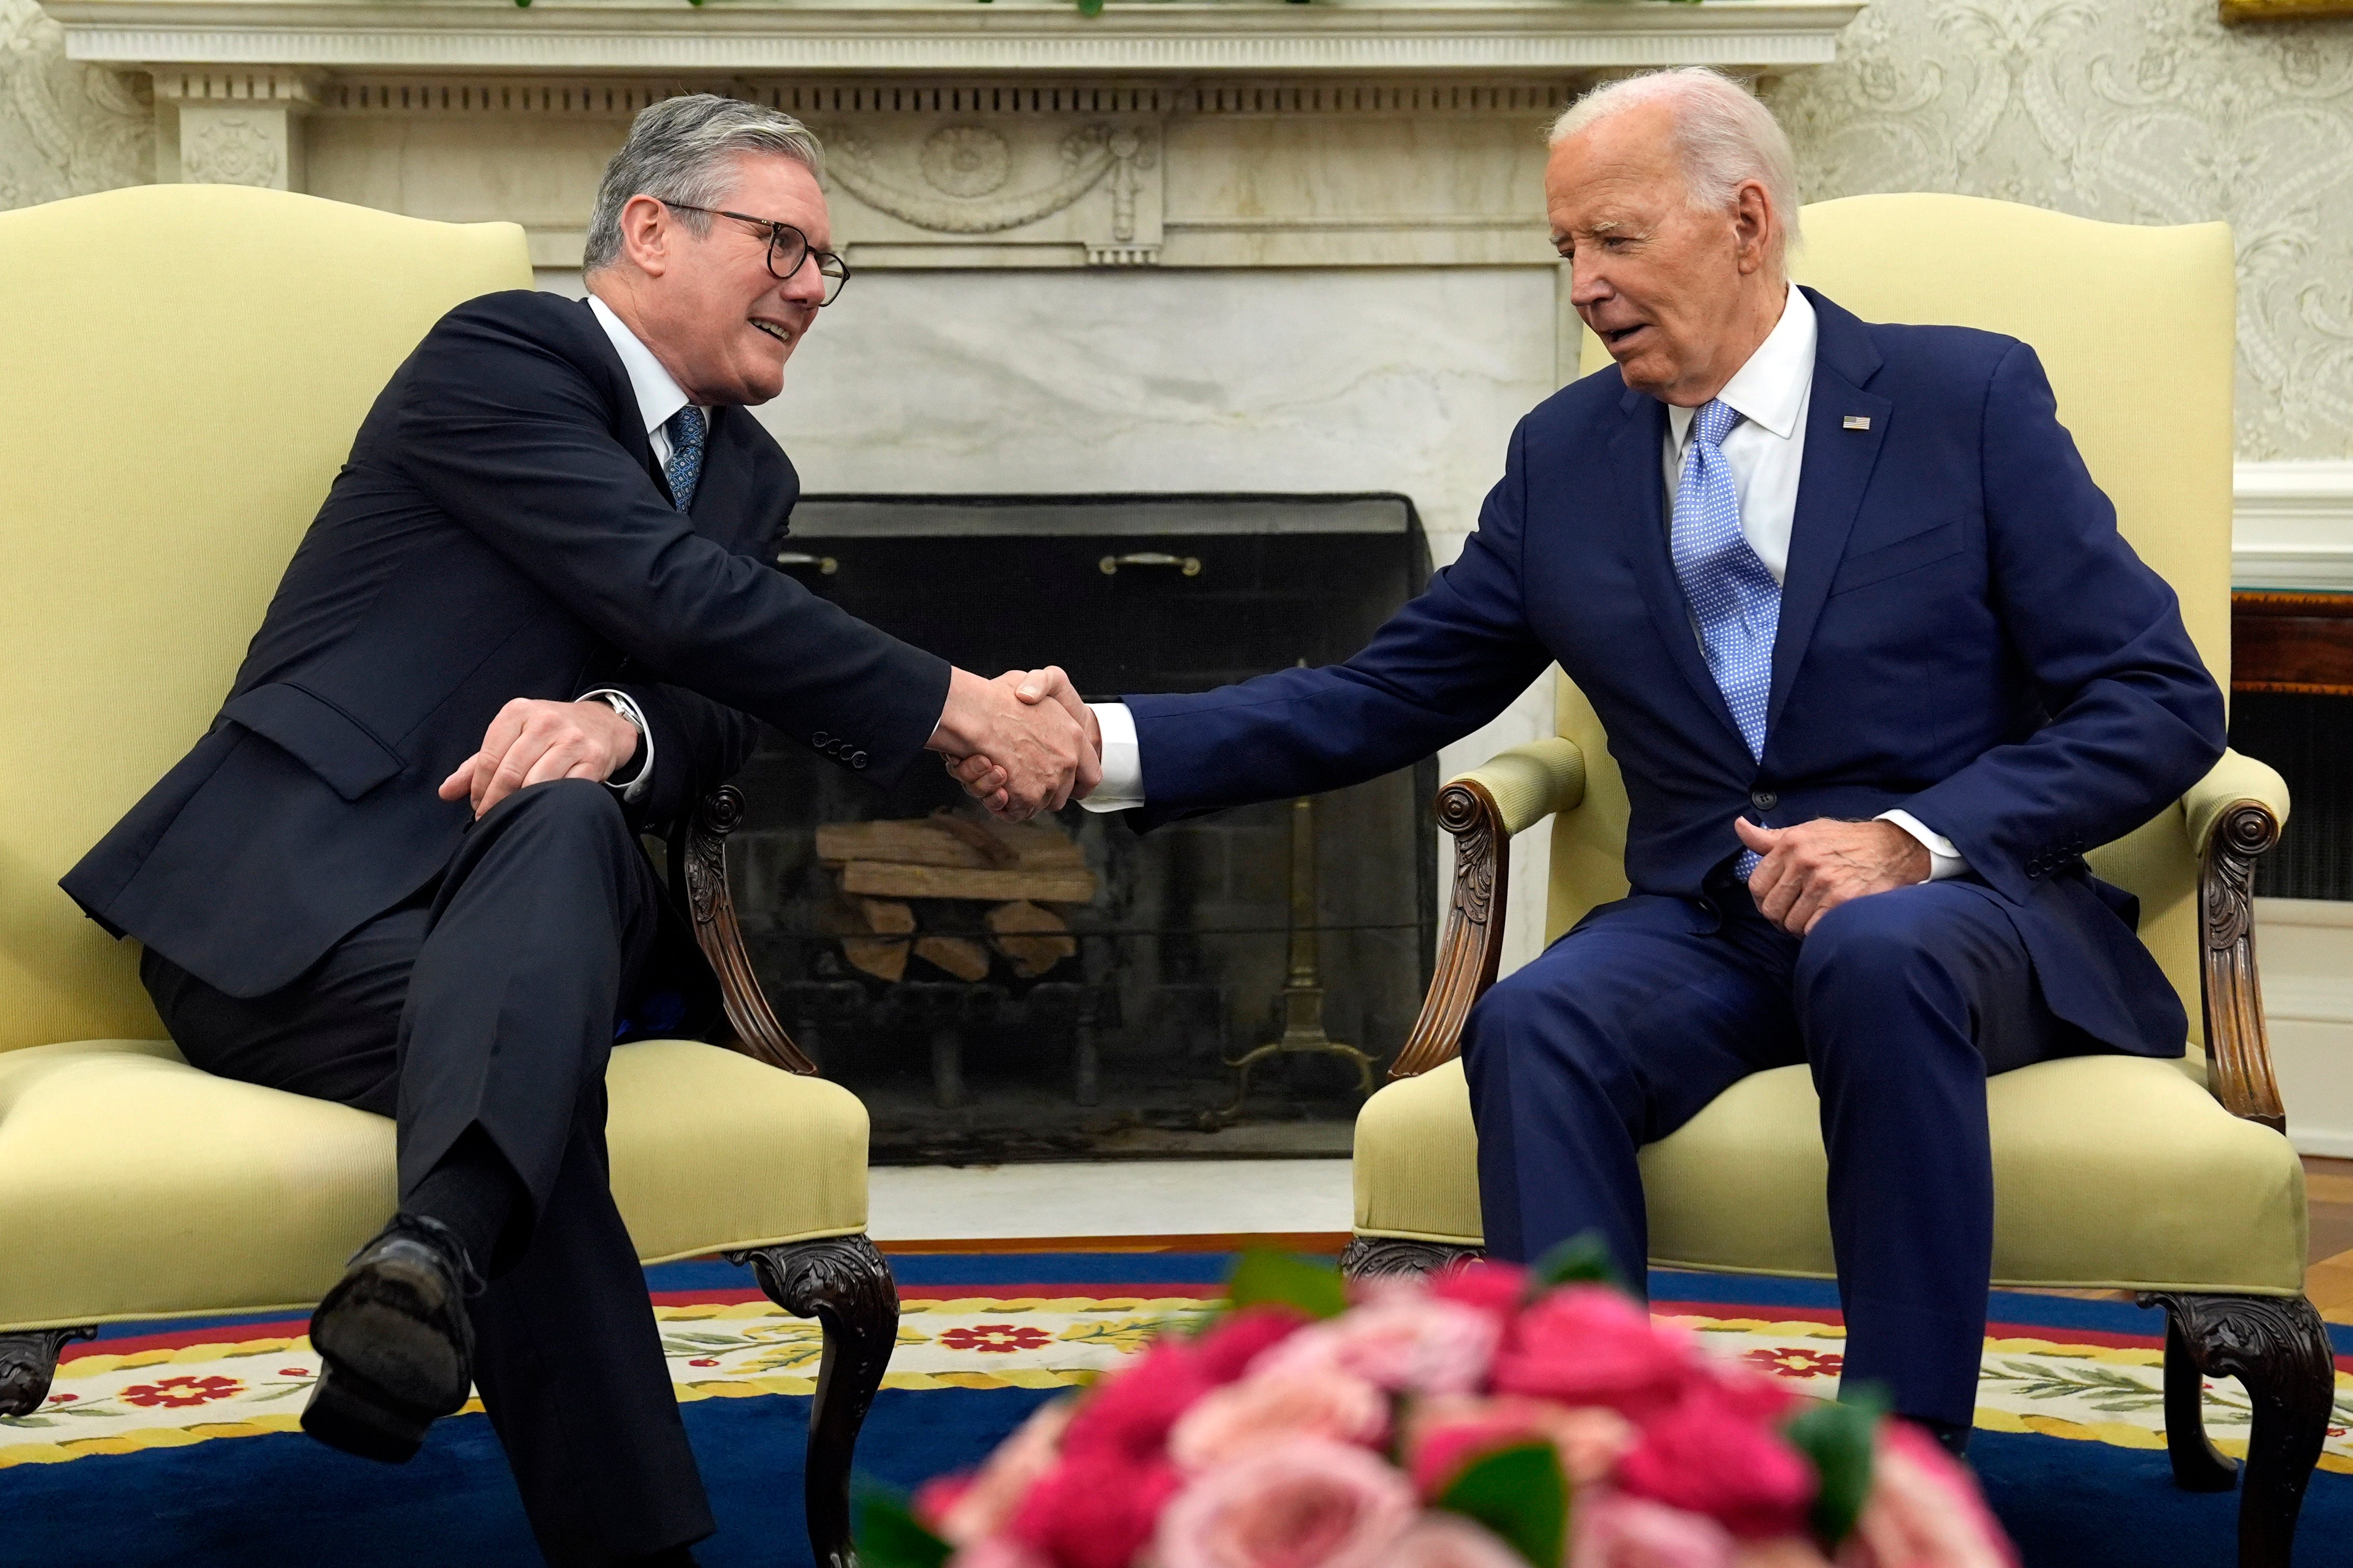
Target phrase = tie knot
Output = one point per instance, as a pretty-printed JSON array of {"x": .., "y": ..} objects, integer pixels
[
  {"x": 1714, "y": 422},
  {"x": 687, "y": 428}
]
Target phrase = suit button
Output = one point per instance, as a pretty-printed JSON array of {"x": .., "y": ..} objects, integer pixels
[
  {"x": 819, "y": 738},
  {"x": 1763, "y": 799},
  {"x": 857, "y": 758}
]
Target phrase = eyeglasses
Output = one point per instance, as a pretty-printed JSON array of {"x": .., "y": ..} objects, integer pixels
[{"x": 788, "y": 248}]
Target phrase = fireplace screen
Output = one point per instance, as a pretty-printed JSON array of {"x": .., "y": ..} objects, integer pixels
[{"x": 1069, "y": 988}]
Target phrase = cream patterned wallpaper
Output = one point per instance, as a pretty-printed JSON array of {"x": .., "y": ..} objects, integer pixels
[
  {"x": 2135, "y": 111},
  {"x": 65, "y": 130}
]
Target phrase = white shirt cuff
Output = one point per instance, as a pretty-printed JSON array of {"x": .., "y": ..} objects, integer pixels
[
  {"x": 626, "y": 706},
  {"x": 1123, "y": 763},
  {"x": 1944, "y": 859}
]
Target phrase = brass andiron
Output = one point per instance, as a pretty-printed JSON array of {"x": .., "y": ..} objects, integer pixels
[{"x": 1302, "y": 992}]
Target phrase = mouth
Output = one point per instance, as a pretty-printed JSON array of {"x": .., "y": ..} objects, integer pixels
[
  {"x": 776, "y": 329},
  {"x": 1622, "y": 337}
]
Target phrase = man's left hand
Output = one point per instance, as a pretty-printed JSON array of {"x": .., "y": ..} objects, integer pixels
[
  {"x": 532, "y": 742},
  {"x": 1812, "y": 868}
]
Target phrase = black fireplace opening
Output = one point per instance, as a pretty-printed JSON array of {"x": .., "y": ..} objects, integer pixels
[{"x": 1070, "y": 989}]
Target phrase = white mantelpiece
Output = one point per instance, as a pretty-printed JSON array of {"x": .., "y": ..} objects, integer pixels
[
  {"x": 632, "y": 38},
  {"x": 1015, "y": 133}
]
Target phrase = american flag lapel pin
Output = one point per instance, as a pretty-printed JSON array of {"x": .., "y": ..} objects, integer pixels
[{"x": 1857, "y": 422}]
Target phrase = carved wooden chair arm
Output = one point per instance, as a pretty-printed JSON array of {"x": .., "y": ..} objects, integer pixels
[
  {"x": 2234, "y": 814},
  {"x": 1510, "y": 793},
  {"x": 698, "y": 875}
]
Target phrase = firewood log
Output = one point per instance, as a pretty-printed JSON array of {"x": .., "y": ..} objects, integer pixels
[{"x": 1034, "y": 939}]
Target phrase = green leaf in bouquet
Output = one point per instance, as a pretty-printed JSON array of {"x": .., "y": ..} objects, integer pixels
[
  {"x": 1521, "y": 1495},
  {"x": 1260, "y": 1278},
  {"x": 890, "y": 1536},
  {"x": 1582, "y": 1259},
  {"x": 1836, "y": 1437}
]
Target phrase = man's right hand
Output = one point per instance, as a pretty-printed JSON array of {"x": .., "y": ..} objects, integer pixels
[{"x": 1037, "y": 754}]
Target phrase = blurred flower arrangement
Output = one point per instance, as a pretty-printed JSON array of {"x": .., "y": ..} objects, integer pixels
[{"x": 1491, "y": 1417}]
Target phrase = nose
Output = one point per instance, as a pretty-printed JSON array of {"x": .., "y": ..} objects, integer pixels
[
  {"x": 1587, "y": 286},
  {"x": 807, "y": 285}
]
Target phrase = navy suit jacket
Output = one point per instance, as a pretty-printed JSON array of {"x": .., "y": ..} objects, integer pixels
[
  {"x": 501, "y": 530},
  {"x": 1964, "y": 633}
]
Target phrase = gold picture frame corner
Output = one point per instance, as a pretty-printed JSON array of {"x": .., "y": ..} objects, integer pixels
[{"x": 2234, "y": 12}]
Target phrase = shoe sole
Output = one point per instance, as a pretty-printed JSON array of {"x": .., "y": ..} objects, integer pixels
[
  {"x": 376, "y": 1330},
  {"x": 344, "y": 1413}
]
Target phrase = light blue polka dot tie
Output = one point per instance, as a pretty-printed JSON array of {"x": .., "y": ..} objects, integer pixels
[
  {"x": 1733, "y": 598},
  {"x": 684, "y": 469}
]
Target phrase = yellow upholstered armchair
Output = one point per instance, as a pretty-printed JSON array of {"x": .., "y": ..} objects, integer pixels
[
  {"x": 182, "y": 369},
  {"x": 2184, "y": 1188}
]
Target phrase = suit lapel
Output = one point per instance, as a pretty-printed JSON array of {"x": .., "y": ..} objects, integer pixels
[
  {"x": 722, "y": 493},
  {"x": 1637, "y": 462},
  {"x": 1831, "y": 481},
  {"x": 621, "y": 399}
]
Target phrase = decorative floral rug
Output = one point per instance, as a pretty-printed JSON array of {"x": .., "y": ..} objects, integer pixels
[{"x": 178, "y": 1387}]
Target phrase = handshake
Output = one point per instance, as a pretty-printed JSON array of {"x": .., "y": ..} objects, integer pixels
[{"x": 1021, "y": 744}]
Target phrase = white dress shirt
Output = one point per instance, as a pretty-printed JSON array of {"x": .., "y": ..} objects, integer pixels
[
  {"x": 658, "y": 397},
  {"x": 1766, "y": 451}
]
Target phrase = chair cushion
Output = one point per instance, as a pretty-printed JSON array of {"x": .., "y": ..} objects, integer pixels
[
  {"x": 133, "y": 1185},
  {"x": 2110, "y": 1172}
]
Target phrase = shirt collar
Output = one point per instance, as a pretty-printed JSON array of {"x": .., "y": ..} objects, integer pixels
[
  {"x": 659, "y": 397},
  {"x": 1771, "y": 389}
]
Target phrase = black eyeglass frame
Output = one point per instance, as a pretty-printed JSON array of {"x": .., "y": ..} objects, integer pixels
[{"x": 776, "y": 232}]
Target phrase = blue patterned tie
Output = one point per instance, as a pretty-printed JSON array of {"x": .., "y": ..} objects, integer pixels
[
  {"x": 684, "y": 469},
  {"x": 1733, "y": 598}
]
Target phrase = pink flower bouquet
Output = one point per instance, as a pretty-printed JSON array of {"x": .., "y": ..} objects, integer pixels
[{"x": 1491, "y": 1417}]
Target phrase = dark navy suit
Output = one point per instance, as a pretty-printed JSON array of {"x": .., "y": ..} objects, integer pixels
[
  {"x": 318, "y": 920},
  {"x": 1963, "y": 634}
]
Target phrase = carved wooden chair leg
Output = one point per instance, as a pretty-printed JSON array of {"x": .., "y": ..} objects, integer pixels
[
  {"x": 2197, "y": 1464},
  {"x": 1382, "y": 1257},
  {"x": 843, "y": 1283},
  {"x": 2278, "y": 1349},
  {"x": 28, "y": 1362}
]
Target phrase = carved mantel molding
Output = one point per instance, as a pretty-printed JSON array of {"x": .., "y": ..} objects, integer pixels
[
  {"x": 1181, "y": 37},
  {"x": 1015, "y": 134}
]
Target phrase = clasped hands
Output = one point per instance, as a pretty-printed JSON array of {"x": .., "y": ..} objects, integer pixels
[{"x": 1021, "y": 744}]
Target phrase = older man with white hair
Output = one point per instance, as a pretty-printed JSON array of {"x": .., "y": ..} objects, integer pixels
[
  {"x": 1877, "y": 669},
  {"x": 535, "y": 616}
]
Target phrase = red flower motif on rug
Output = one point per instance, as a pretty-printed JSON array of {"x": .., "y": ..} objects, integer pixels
[
  {"x": 178, "y": 1393},
  {"x": 1789, "y": 1360},
  {"x": 1003, "y": 1339}
]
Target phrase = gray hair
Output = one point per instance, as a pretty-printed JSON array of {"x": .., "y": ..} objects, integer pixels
[
  {"x": 682, "y": 150},
  {"x": 1725, "y": 135}
]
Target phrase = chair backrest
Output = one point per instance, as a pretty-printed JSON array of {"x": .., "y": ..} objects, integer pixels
[
  {"x": 2135, "y": 326},
  {"x": 182, "y": 369}
]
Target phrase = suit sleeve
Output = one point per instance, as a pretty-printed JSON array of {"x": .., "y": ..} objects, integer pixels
[
  {"x": 2135, "y": 719},
  {"x": 510, "y": 438},
  {"x": 1441, "y": 666},
  {"x": 698, "y": 746}
]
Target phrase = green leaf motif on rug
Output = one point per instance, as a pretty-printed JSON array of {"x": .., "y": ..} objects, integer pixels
[{"x": 1520, "y": 1493}]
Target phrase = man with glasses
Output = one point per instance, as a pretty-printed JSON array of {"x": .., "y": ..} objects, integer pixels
[{"x": 534, "y": 616}]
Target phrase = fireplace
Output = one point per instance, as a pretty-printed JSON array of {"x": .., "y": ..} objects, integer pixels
[{"x": 1073, "y": 989}]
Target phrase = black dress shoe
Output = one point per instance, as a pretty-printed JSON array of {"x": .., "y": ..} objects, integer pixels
[{"x": 394, "y": 1345}]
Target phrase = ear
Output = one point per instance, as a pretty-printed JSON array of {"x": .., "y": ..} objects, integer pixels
[
  {"x": 1754, "y": 223},
  {"x": 646, "y": 232}
]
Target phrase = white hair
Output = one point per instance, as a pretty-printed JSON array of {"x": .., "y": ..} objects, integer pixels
[{"x": 1726, "y": 138}]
